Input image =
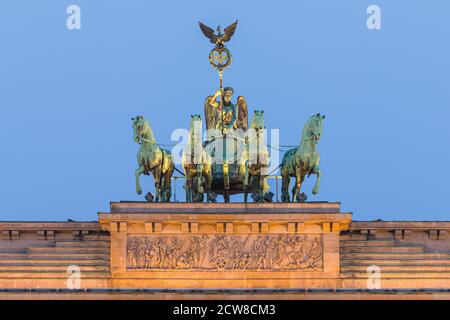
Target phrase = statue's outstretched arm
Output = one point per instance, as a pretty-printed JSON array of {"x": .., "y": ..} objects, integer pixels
[{"x": 213, "y": 99}]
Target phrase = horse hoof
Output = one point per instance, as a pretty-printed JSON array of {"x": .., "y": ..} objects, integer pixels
[
  {"x": 302, "y": 197},
  {"x": 212, "y": 197},
  {"x": 268, "y": 197}
]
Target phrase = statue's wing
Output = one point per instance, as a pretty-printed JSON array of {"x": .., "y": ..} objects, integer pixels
[
  {"x": 242, "y": 121},
  {"x": 229, "y": 31},
  {"x": 208, "y": 32},
  {"x": 210, "y": 114}
]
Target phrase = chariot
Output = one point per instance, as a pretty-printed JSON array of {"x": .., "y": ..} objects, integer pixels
[{"x": 234, "y": 157}]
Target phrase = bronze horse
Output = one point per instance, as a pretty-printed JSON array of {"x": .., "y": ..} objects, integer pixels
[
  {"x": 196, "y": 164},
  {"x": 152, "y": 159},
  {"x": 304, "y": 160},
  {"x": 258, "y": 158}
]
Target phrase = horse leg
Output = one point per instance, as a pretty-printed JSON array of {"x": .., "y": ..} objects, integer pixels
[
  {"x": 168, "y": 186},
  {"x": 294, "y": 191},
  {"x": 261, "y": 187},
  {"x": 163, "y": 188},
  {"x": 187, "y": 186},
  {"x": 207, "y": 175},
  {"x": 137, "y": 173},
  {"x": 246, "y": 182},
  {"x": 286, "y": 181},
  {"x": 157, "y": 178},
  {"x": 246, "y": 188},
  {"x": 318, "y": 172},
  {"x": 190, "y": 188},
  {"x": 298, "y": 184},
  {"x": 198, "y": 184}
]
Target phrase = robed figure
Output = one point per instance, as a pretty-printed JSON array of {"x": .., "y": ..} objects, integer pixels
[{"x": 228, "y": 117}]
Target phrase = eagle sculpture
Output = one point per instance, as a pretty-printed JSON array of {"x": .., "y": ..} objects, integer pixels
[{"x": 219, "y": 38}]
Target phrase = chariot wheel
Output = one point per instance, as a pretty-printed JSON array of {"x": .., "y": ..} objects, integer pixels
[{"x": 221, "y": 263}]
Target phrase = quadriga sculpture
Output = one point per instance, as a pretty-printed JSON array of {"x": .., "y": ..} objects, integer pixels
[
  {"x": 152, "y": 159},
  {"x": 196, "y": 164},
  {"x": 258, "y": 158},
  {"x": 302, "y": 160}
]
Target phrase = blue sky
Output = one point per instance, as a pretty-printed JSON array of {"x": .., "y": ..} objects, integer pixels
[{"x": 67, "y": 96}]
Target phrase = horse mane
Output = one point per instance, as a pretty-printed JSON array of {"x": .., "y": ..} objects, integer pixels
[
  {"x": 150, "y": 132},
  {"x": 303, "y": 137}
]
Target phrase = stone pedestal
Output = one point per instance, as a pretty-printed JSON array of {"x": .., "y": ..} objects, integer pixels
[{"x": 191, "y": 246}]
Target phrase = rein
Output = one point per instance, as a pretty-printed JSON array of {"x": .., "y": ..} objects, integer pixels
[{"x": 148, "y": 140}]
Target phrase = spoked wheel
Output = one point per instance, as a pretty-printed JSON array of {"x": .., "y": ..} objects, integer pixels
[{"x": 221, "y": 263}]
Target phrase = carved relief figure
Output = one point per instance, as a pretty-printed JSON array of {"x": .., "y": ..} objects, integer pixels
[{"x": 225, "y": 252}]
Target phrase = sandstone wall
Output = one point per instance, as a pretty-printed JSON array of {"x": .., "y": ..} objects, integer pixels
[{"x": 413, "y": 259}]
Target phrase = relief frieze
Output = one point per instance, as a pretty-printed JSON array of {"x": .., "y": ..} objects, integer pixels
[{"x": 281, "y": 252}]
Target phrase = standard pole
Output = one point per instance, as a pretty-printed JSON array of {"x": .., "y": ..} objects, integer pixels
[{"x": 226, "y": 178}]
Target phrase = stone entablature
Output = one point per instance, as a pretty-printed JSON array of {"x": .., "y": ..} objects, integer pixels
[
  {"x": 296, "y": 247},
  {"x": 200, "y": 245},
  {"x": 436, "y": 230},
  {"x": 40, "y": 230}
]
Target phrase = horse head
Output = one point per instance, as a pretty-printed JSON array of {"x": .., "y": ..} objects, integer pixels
[
  {"x": 313, "y": 128},
  {"x": 141, "y": 129},
  {"x": 258, "y": 120},
  {"x": 195, "y": 128}
]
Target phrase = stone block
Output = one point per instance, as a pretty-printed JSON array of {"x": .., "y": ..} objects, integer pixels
[
  {"x": 335, "y": 227},
  {"x": 434, "y": 235},
  {"x": 114, "y": 227},
  {"x": 406, "y": 234},
  {"x": 194, "y": 227},
  {"x": 292, "y": 227},
  {"x": 122, "y": 227},
  {"x": 185, "y": 227},
  {"x": 14, "y": 235},
  {"x": 50, "y": 235},
  {"x": 326, "y": 226},
  {"x": 220, "y": 227},
  {"x": 264, "y": 227},
  {"x": 398, "y": 234},
  {"x": 157, "y": 226},
  {"x": 6, "y": 234}
]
